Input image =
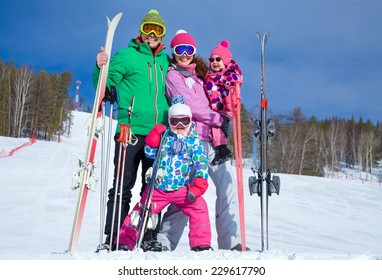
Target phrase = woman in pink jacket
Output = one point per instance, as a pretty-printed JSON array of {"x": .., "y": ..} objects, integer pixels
[{"x": 183, "y": 78}]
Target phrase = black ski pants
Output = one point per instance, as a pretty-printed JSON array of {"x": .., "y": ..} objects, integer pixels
[{"x": 134, "y": 156}]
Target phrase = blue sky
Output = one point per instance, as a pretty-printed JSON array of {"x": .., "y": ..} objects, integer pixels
[{"x": 323, "y": 56}]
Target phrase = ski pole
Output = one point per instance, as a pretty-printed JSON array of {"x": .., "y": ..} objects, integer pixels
[
  {"x": 236, "y": 102},
  {"x": 110, "y": 96},
  {"x": 125, "y": 139},
  {"x": 103, "y": 184},
  {"x": 116, "y": 188},
  {"x": 146, "y": 208}
]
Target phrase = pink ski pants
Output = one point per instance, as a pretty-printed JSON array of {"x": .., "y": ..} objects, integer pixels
[{"x": 197, "y": 212}]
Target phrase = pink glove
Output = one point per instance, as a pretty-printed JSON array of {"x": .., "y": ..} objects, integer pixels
[
  {"x": 155, "y": 135},
  {"x": 197, "y": 189}
]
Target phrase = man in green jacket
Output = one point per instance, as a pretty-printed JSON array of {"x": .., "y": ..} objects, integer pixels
[{"x": 139, "y": 73}]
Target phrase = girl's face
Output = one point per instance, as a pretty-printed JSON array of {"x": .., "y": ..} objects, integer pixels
[
  {"x": 181, "y": 129},
  {"x": 180, "y": 124},
  {"x": 216, "y": 63},
  {"x": 183, "y": 60}
]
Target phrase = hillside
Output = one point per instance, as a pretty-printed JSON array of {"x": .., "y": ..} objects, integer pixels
[{"x": 312, "y": 218}]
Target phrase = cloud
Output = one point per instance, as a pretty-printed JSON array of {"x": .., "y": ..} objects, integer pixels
[{"x": 323, "y": 56}]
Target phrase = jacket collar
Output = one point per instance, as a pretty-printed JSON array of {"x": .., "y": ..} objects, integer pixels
[{"x": 144, "y": 47}]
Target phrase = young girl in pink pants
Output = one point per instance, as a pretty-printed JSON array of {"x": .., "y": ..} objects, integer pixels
[{"x": 181, "y": 153}]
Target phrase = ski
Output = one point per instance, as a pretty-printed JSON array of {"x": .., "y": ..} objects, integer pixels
[
  {"x": 126, "y": 137},
  {"x": 87, "y": 165},
  {"x": 154, "y": 176},
  {"x": 236, "y": 120},
  {"x": 264, "y": 183}
]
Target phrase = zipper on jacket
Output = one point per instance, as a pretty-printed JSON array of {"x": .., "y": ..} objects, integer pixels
[
  {"x": 156, "y": 92},
  {"x": 149, "y": 71},
  {"x": 130, "y": 108},
  {"x": 162, "y": 73}
]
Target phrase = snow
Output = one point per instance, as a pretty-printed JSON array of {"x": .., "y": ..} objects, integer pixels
[{"x": 312, "y": 219}]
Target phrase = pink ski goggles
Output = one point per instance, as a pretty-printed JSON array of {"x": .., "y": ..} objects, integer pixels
[{"x": 175, "y": 121}]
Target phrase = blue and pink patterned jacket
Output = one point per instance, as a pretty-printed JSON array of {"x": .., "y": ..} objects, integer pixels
[{"x": 179, "y": 156}]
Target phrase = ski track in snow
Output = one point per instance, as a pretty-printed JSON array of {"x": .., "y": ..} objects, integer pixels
[{"x": 312, "y": 218}]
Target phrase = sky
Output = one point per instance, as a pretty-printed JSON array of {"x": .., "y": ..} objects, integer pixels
[
  {"x": 322, "y": 56},
  {"x": 314, "y": 224}
]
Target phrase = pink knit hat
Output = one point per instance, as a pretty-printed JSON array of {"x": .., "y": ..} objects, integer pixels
[
  {"x": 182, "y": 37},
  {"x": 223, "y": 51}
]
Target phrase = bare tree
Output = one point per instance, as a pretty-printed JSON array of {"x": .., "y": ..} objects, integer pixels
[
  {"x": 332, "y": 137},
  {"x": 22, "y": 86},
  {"x": 5, "y": 93},
  {"x": 308, "y": 136},
  {"x": 323, "y": 148},
  {"x": 370, "y": 146},
  {"x": 342, "y": 140}
]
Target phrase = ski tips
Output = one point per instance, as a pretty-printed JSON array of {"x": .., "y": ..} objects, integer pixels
[
  {"x": 264, "y": 37},
  {"x": 116, "y": 18}
]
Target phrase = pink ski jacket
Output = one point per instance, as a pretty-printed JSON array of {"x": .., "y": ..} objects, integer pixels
[
  {"x": 181, "y": 81},
  {"x": 218, "y": 85}
]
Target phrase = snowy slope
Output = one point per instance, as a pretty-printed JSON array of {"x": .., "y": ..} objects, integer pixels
[{"x": 312, "y": 219}]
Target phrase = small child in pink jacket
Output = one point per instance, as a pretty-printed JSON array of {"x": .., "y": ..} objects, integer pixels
[{"x": 222, "y": 75}]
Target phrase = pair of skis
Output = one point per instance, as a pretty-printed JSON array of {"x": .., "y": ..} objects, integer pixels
[
  {"x": 87, "y": 165},
  {"x": 264, "y": 182}
]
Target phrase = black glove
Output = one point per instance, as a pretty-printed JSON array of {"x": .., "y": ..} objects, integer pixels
[
  {"x": 225, "y": 125},
  {"x": 110, "y": 95},
  {"x": 220, "y": 106}
]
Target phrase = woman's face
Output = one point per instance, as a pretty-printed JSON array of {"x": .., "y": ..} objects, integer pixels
[{"x": 183, "y": 60}]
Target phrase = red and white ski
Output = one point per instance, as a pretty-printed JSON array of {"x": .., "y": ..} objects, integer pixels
[{"x": 87, "y": 166}]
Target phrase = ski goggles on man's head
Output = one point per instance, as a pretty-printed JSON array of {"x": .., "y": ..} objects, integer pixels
[
  {"x": 189, "y": 50},
  {"x": 151, "y": 27},
  {"x": 175, "y": 121}
]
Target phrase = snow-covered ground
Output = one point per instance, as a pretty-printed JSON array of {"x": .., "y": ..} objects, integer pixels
[{"x": 312, "y": 218}]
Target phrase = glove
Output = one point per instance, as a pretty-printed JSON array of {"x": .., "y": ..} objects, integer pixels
[
  {"x": 154, "y": 136},
  {"x": 220, "y": 106},
  {"x": 225, "y": 125},
  {"x": 110, "y": 95},
  {"x": 197, "y": 189}
]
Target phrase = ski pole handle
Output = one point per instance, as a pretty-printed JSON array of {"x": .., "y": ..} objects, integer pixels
[{"x": 124, "y": 134}]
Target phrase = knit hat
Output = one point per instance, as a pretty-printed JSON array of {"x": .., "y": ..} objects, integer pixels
[
  {"x": 153, "y": 17},
  {"x": 179, "y": 107},
  {"x": 182, "y": 37},
  {"x": 223, "y": 51}
]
